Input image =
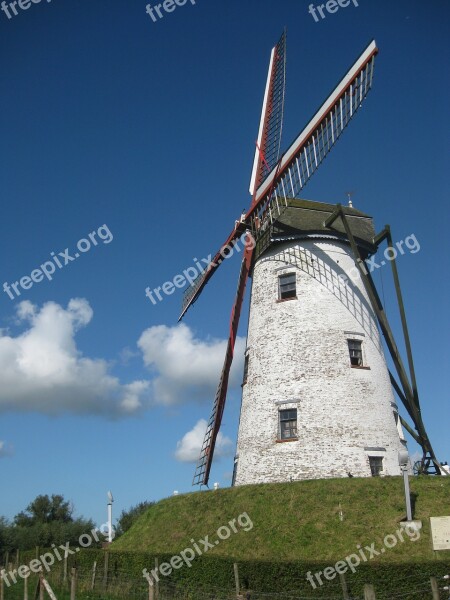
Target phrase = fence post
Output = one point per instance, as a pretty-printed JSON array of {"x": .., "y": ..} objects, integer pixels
[
  {"x": 46, "y": 586},
  {"x": 236, "y": 579},
  {"x": 156, "y": 594},
  {"x": 151, "y": 588},
  {"x": 344, "y": 587},
  {"x": 17, "y": 558},
  {"x": 369, "y": 592},
  {"x": 73, "y": 583},
  {"x": 65, "y": 568},
  {"x": 105, "y": 570},
  {"x": 2, "y": 589},
  {"x": 94, "y": 571},
  {"x": 41, "y": 586},
  {"x": 37, "y": 551},
  {"x": 435, "y": 589},
  {"x": 25, "y": 588}
]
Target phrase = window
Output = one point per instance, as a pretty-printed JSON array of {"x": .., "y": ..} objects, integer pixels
[
  {"x": 376, "y": 465},
  {"x": 233, "y": 480},
  {"x": 244, "y": 380},
  {"x": 288, "y": 424},
  {"x": 355, "y": 350},
  {"x": 287, "y": 286}
]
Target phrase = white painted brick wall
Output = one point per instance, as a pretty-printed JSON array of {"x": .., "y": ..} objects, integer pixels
[{"x": 298, "y": 352}]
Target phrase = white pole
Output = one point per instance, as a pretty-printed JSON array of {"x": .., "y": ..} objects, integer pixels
[
  {"x": 407, "y": 493},
  {"x": 109, "y": 522}
]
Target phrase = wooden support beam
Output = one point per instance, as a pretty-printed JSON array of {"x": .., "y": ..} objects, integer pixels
[{"x": 412, "y": 404}]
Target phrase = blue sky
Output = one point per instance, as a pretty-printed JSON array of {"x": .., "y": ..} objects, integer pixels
[{"x": 110, "y": 119}]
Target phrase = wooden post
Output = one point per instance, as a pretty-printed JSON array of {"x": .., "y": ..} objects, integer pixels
[
  {"x": 37, "y": 551},
  {"x": 50, "y": 592},
  {"x": 41, "y": 586},
  {"x": 435, "y": 589},
  {"x": 151, "y": 588},
  {"x": 17, "y": 558},
  {"x": 73, "y": 583},
  {"x": 236, "y": 579},
  {"x": 25, "y": 588},
  {"x": 369, "y": 592},
  {"x": 105, "y": 570},
  {"x": 65, "y": 569},
  {"x": 94, "y": 571},
  {"x": 2, "y": 589},
  {"x": 344, "y": 587},
  {"x": 36, "y": 591},
  {"x": 156, "y": 594}
]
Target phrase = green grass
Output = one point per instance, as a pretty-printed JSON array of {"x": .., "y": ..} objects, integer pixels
[
  {"x": 296, "y": 529},
  {"x": 295, "y": 521}
]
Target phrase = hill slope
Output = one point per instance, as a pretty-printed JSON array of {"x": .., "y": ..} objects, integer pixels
[{"x": 295, "y": 521}]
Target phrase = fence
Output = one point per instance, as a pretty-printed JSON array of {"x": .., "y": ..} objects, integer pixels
[{"x": 100, "y": 582}]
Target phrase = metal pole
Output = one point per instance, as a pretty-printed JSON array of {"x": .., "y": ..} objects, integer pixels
[
  {"x": 109, "y": 522},
  {"x": 407, "y": 494}
]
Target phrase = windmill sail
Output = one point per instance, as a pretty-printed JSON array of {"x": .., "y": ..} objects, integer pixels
[
  {"x": 302, "y": 159},
  {"x": 204, "y": 463},
  {"x": 193, "y": 291},
  {"x": 267, "y": 153},
  {"x": 268, "y": 144},
  {"x": 291, "y": 173}
]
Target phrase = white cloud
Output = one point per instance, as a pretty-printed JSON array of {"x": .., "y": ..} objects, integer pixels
[
  {"x": 186, "y": 368},
  {"x": 5, "y": 449},
  {"x": 188, "y": 448},
  {"x": 42, "y": 369}
]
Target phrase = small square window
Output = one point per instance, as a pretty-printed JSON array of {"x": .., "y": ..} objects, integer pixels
[
  {"x": 244, "y": 380},
  {"x": 376, "y": 465},
  {"x": 287, "y": 287},
  {"x": 288, "y": 424},
  {"x": 233, "y": 480},
  {"x": 355, "y": 350}
]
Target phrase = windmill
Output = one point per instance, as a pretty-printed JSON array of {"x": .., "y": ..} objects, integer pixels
[{"x": 276, "y": 219}]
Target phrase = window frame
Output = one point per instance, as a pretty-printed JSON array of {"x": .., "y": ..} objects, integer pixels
[
  {"x": 355, "y": 341},
  {"x": 288, "y": 419},
  {"x": 376, "y": 457},
  {"x": 284, "y": 298},
  {"x": 246, "y": 361}
]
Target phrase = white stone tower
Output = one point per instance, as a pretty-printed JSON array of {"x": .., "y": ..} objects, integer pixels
[{"x": 317, "y": 400}]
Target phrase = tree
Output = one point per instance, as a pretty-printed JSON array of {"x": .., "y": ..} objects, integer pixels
[
  {"x": 45, "y": 521},
  {"x": 129, "y": 517},
  {"x": 5, "y": 535},
  {"x": 45, "y": 510}
]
